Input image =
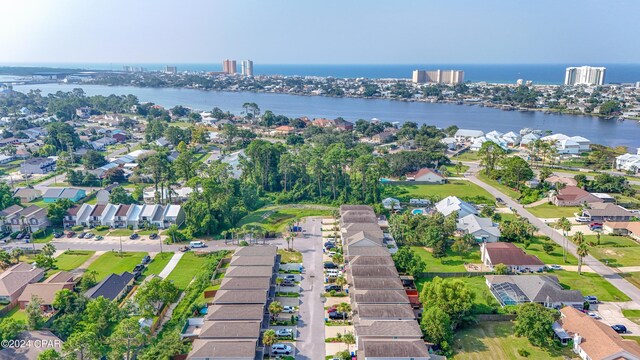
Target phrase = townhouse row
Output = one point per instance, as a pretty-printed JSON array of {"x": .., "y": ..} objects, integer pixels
[{"x": 123, "y": 216}]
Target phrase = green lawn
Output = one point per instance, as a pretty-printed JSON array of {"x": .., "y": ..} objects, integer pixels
[
  {"x": 276, "y": 218},
  {"x": 113, "y": 263},
  {"x": 590, "y": 284},
  {"x": 535, "y": 248},
  {"x": 466, "y": 156},
  {"x": 454, "y": 172},
  {"x": 633, "y": 315},
  {"x": 290, "y": 256},
  {"x": 616, "y": 251},
  {"x": 158, "y": 263},
  {"x": 188, "y": 266},
  {"x": 17, "y": 314},
  {"x": 460, "y": 188},
  {"x": 633, "y": 277},
  {"x": 502, "y": 188},
  {"x": 450, "y": 263},
  {"x": 484, "y": 302},
  {"x": 121, "y": 232},
  {"x": 39, "y": 202},
  {"x": 495, "y": 340},
  {"x": 71, "y": 259},
  {"x": 552, "y": 211},
  {"x": 147, "y": 232}
]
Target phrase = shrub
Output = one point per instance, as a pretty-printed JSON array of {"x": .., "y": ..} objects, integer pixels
[
  {"x": 77, "y": 228},
  {"x": 39, "y": 234},
  {"x": 130, "y": 227},
  {"x": 244, "y": 243},
  {"x": 523, "y": 352},
  {"x": 102, "y": 227},
  {"x": 14, "y": 234}
]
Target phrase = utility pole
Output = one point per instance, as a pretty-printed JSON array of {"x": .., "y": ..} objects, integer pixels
[{"x": 120, "y": 245}]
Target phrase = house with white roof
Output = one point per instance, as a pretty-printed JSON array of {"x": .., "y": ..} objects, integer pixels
[
  {"x": 452, "y": 203},
  {"x": 527, "y": 139},
  {"x": 512, "y": 139},
  {"x": 463, "y": 135},
  {"x": 585, "y": 144},
  {"x": 628, "y": 162},
  {"x": 567, "y": 146},
  {"x": 109, "y": 214},
  {"x": 482, "y": 229}
]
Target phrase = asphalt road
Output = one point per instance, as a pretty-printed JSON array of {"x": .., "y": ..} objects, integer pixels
[
  {"x": 605, "y": 271},
  {"x": 310, "y": 342}
]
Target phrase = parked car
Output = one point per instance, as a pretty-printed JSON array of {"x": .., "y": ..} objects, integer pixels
[
  {"x": 333, "y": 308},
  {"x": 284, "y": 332},
  {"x": 591, "y": 299},
  {"x": 99, "y": 237},
  {"x": 20, "y": 236},
  {"x": 330, "y": 265},
  {"x": 330, "y": 246},
  {"x": 278, "y": 349},
  {"x": 57, "y": 235},
  {"x": 71, "y": 234},
  {"x": 555, "y": 267},
  {"x": 290, "y": 277},
  {"x": 620, "y": 329},
  {"x": 500, "y": 201},
  {"x": 593, "y": 315},
  {"x": 287, "y": 282},
  {"x": 331, "y": 253},
  {"x": 27, "y": 236},
  {"x": 332, "y": 288},
  {"x": 134, "y": 236},
  {"x": 146, "y": 259},
  {"x": 138, "y": 268},
  {"x": 81, "y": 235},
  {"x": 595, "y": 224},
  {"x": 336, "y": 315},
  {"x": 197, "y": 244},
  {"x": 153, "y": 236},
  {"x": 288, "y": 309},
  {"x": 88, "y": 235}
]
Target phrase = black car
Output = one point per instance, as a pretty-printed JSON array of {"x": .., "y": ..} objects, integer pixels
[
  {"x": 330, "y": 265},
  {"x": 134, "y": 236},
  {"x": 57, "y": 235},
  {"x": 138, "y": 267},
  {"x": 338, "y": 315},
  {"x": 499, "y": 201},
  {"x": 146, "y": 259},
  {"x": 287, "y": 282},
  {"x": 330, "y": 246},
  {"x": 620, "y": 329},
  {"x": 153, "y": 236},
  {"x": 20, "y": 236},
  {"x": 332, "y": 287}
]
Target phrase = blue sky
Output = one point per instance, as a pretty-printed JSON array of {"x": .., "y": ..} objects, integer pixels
[{"x": 320, "y": 32}]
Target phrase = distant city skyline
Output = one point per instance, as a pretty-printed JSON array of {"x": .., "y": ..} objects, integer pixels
[{"x": 328, "y": 32}]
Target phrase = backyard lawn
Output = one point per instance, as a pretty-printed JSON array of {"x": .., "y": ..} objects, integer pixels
[
  {"x": 71, "y": 259},
  {"x": 590, "y": 284},
  {"x": 450, "y": 263},
  {"x": 484, "y": 302},
  {"x": 460, "y": 188},
  {"x": 17, "y": 314},
  {"x": 495, "y": 340},
  {"x": 276, "y": 218},
  {"x": 615, "y": 251},
  {"x": 113, "y": 263},
  {"x": 535, "y": 248},
  {"x": 188, "y": 266},
  {"x": 551, "y": 211},
  {"x": 157, "y": 264}
]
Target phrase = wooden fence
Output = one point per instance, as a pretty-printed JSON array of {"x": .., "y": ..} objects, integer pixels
[{"x": 453, "y": 274}]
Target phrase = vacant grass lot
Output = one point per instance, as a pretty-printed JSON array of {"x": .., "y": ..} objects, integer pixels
[
  {"x": 495, "y": 340},
  {"x": 590, "y": 284},
  {"x": 158, "y": 263},
  {"x": 113, "y": 263},
  {"x": 276, "y": 218},
  {"x": 535, "y": 248},
  {"x": 466, "y": 156},
  {"x": 503, "y": 188},
  {"x": 121, "y": 232},
  {"x": 460, "y": 188},
  {"x": 616, "y": 251},
  {"x": 450, "y": 263},
  {"x": 188, "y": 266},
  {"x": 289, "y": 256},
  {"x": 71, "y": 259},
  {"x": 547, "y": 211}
]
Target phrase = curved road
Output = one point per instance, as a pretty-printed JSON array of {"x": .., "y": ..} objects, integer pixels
[{"x": 606, "y": 272}]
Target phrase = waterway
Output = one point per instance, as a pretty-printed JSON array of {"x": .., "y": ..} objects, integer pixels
[{"x": 606, "y": 132}]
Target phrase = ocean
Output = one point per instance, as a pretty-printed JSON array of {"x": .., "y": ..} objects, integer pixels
[{"x": 493, "y": 73}]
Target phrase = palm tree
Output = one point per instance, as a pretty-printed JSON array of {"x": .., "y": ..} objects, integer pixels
[
  {"x": 279, "y": 281},
  {"x": 224, "y": 233},
  {"x": 337, "y": 258},
  {"x": 598, "y": 237},
  {"x": 463, "y": 244},
  {"x": 341, "y": 281},
  {"x": 16, "y": 253},
  {"x": 578, "y": 238},
  {"x": 349, "y": 339},
  {"x": 565, "y": 225},
  {"x": 275, "y": 308},
  {"x": 583, "y": 251},
  {"x": 287, "y": 238},
  {"x": 344, "y": 308},
  {"x": 269, "y": 338}
]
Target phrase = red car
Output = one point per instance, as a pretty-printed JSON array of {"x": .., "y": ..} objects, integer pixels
[
  {"x": 332, "y": 309},
  {"x": 70, "y": 234}
]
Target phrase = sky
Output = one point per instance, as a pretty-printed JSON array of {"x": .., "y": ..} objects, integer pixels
[{"x": 320, "y": 32}]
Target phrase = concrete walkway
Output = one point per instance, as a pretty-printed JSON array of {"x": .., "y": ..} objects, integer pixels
[
  {"x": 609, "y": 274},
  {"x": 85, "y": 265},
  {"x": 171, "y": 265},
  {"x": 536, "y": 203}
]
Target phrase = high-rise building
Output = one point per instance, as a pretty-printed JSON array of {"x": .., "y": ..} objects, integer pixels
[
  {"x": 584, "y": 75},
  {"x": 438, "y": 76},
  {"x": 247, "y": 67},
  {"x": 171, "y": 69},
  {"x": 229, "y": 66}
]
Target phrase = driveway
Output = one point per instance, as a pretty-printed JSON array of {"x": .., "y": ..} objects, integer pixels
[
  {"x": 611, "y": 314},
  {"x": 609, "y": 274},
  {"x": 310, "y": 342}
]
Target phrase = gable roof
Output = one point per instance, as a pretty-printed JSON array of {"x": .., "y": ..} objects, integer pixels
[
  {"x": 509, "y": 254},
  {"x": 599, "y": 340},
  {"x": 256, "y": 251},
  {"x": 230, "y": 330},
  {"x": 209, "y": 349},
  {"x": 388, "y": 329},
  {"x": 537, "y": 288},
  {"x": 18, "y": 276},
  {"x": 573, "y": 193},
  {"x": 392, "y": 349},
  {"x": 111, "y": 286},
  {"x": 452, "y": 203},
  {"x": 473, "y": 223},
  {"x": 425, "y": 171},
  {"x": 374, "y": 271},
  {"x": 607, "y": 210},
  {"x": 245, "y": 283},
  {"x": 235, "y": 312},
  {"x": 239, "y": 297}
]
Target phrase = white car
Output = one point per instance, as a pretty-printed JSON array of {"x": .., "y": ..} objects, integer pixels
[
  {"x": 331, "y": 253},
  {"x": 284, "y": 332},
  {"x": 593, "y": 315},
  {"x": 288, "y": 309},
  {"x": 555, "y": 267},
  {"x": 280, "y": 349}
]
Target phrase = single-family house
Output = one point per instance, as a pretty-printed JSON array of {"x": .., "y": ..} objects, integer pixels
[
  {"x": 628, "y": 162},
  {"x": 452, "y": 203},
  {"x": 53, "y": 194},
  {"x": 510, "y": 255},
  {"x": 572, "y": 196},
  {"x": 284, "y": 130},
  {"x": 46, "y": 291},
  {"x": 382, "y": 138},
  {"x": 606, "y": 212},
  {"x": 113, "y": 287},
  {"x": 593, "y": 339},
  {"x": 554, "y": 180},
  {"x": 419, "y": 202},
  {"x": 15, "y": 279},
  {"x": 427, "y": 175},
  {"x": 391, "y": 204},
  {"x": 464, "y": 135},
  {"x": 542, "y": 289},
  {"x": 38, "y": 165},
  {"x": 27, "y": 194},
  {"x": 102, "y": 196},
  {"x": 6, "y": 158},
  {"x": 206, "y": 349},
  {"x": 482, "y": 229}
]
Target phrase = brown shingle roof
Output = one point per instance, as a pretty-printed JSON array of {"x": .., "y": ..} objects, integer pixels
[
  {"x": 366, "y": 251},
  {"x": 97, "y": 211},
  {"x": 599, "y": 340},
  {"x": 374, "y": 271},
  {"x": 245, "y": 283},
  {"x": 235, "y": 312},
  {"x": 392, "y": 349},
  {"x": 572, "y": 193},
  {"x": 252, "y": 261},
  {"x": 371, "y": 283},
  {"x": 389, "y": 329},
  {"x": 17, "y": 277},
  {"x": 212, "y": 349},
  {"x": 122, "y": 210},
  {"x": 240, "y": 297},
  {"x": 381, "y": 297},
  {"x": 45, "y": 291},
  {"x": 372, "y": 260},
  {"x": 256, "y": 251},
  {"x": 509, "y": 254},
  {"x": 230, "y": 330},
  {"x": 393, "y": 311},
  {"x": 249, "y": 271}
]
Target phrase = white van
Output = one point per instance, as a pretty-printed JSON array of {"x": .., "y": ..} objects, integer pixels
[{"x": 197, "y": 244}]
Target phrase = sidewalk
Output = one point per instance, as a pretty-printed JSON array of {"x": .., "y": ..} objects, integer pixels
[
  {"x": 171, "y": 265},
  {"x": 85, "y": 265}
]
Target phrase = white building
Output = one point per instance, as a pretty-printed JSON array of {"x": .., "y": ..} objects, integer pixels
[
  {"x": 463, "y": 135},
  {"x": 628, "y": 162},
  {"x": 482, "y": 229},
  {"x": 247, "y": 67},
  {"x": 450, "y": 204},
  {"x": 584, "y": 75}
]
